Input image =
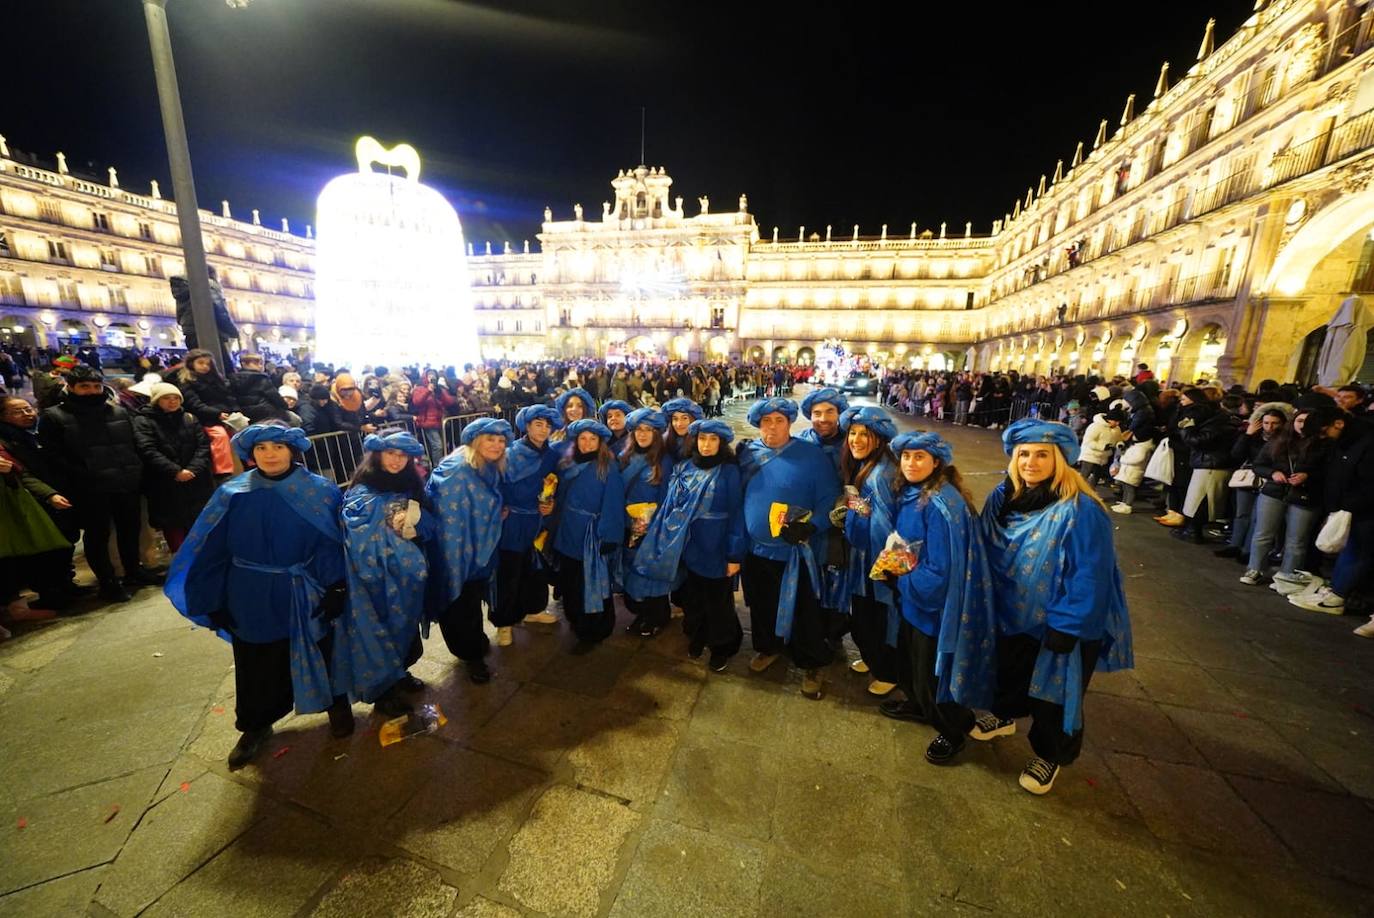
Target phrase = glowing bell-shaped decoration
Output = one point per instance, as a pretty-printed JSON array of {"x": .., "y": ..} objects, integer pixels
[{"x": 391, "y": 279}]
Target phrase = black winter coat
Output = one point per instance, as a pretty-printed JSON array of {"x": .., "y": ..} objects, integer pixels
[
  {"x": 257, "y": 396},
  {"x": 1210, "y": 438},
  {"x": 90, "y": 448},
  {"x": 316, "y": 419},
  {"x": 1295, "y": 456},
  {"x": 169, "y": 442},
  {"x": 207, "y": 397},
  {"x": 1350, "y": 474}
]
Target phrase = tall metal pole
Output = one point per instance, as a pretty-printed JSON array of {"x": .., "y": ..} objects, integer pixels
[{"x": 183, "y": 185}]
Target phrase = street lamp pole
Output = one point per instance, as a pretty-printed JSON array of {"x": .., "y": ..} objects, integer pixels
[{"x": 183, "y": 185}]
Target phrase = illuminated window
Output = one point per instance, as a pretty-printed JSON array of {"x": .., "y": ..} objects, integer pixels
[
  {"x": 153, "y": 264},
  {"x": 108, "y": 260},
  {"x": 145, "y": 231},
  {"x": 717, "y": 316},
  {"x": 57, "y": 251},
  {"x": 66, "y": 292},
  {"x": 500, "y": 325},
  {"x": 519, "y": 326},
  {"x": 101, "y": 222}
]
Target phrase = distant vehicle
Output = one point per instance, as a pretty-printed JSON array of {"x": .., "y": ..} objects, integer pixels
[
  {"x": 117, "y": 359},
  {"x": 860, "y": 384}
]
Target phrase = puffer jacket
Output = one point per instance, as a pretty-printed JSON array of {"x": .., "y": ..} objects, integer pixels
[
  {"x": 90, "y": 448},
  {"x": 169, "y": 442},
  {"x": 1099, "y": 440},
  {"x": 207, "y": 397},
  {"x": 1210, "y": 437},
  {"x": 1297, "y": 456},
  {"x": 1350, "y": 473},
  {"x": 257, "y": 397}
]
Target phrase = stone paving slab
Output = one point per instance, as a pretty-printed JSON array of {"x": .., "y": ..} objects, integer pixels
[{"x": 1231, "y": 773}]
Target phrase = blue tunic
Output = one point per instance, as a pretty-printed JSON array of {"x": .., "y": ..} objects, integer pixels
[
  {"x": 265, "y": 550},
  {"x": 590, "y": 511},
  {"x": 717, "y": 535},
  {"x": 639, "y": 490},
  {"x": 867, "y": 536},
  {"x": 831, "y": 447},
  {"x": 521, "y": 485},
  {"x": 699, "y": 525},
  {"x": 1057, "y": 567},
  {"x": 799, "y": 474},
  {"x": 468, "y": 505},
  {"x": 948, "y": 595},
  {"x": 386, "y": 591}
]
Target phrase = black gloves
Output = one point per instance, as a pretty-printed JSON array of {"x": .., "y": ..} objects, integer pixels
[
  {"x": 797, "y": 532},
  {"x": 608, "y": 549},
  {"x": 1059, "y": 641},
  {"x": 333, "y": 603}
]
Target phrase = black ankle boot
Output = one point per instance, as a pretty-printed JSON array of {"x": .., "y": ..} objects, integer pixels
[
  {"x": 248, "y": 747},
  {"x": 340, "y": 718}
]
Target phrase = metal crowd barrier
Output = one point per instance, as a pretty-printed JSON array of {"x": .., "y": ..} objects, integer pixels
[
  {"x": 453, "y": 427},
  {"x": 337, "y": 455}
]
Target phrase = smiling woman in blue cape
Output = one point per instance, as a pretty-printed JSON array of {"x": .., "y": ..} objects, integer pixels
[
  {"x": 590, "y": 527},
  {"x": 699, "y": 532},
  {"x": 1060, "y": 607},
  {"x": 645, "y": 467},
  {"x": 466, "y": 492},
  {"x": 947, "y": 636},
  {"x": 383, "y": 518},
  {"x": 264, "y": 565}
]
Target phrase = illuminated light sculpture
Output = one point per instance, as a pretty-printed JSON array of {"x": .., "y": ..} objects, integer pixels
[{"x": 391, "y": 282}]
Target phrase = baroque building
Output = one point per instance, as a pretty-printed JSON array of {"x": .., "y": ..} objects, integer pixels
[
  {"x": 1212, "y": 231},
  {"x": 86, "y": 261}
]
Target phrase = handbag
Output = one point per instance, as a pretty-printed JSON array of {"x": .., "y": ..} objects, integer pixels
[
  {"x": 1243, "y": 478},
  {"x": 1161, "y": 465},
  {"x": 1335, "y": 532},
  {"x": 221, "y": 454},
  {"x": 28, "y": 529}
]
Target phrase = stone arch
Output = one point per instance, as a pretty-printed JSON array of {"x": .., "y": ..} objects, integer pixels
[
  {"x": 18, "y": 330},
  {"x": 1199, "y": 352},
  {"x": 1324, "y": 231}
]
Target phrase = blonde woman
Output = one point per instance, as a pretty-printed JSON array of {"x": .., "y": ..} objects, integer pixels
[{"x": 1060, "y": 607}]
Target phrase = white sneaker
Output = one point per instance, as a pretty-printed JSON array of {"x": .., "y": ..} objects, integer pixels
[
  {"x": 1119, "y": 507},
  {"x": 1323, "y": 600},
  {"x": 1299, "y": 577},
  {"x": 1367, "y": 629},
  {"x": 1295, "y": 588},
  {"x": 1251, "y": 577},
  {"x": 505, "y": 636},
  {"x": 541, "y": 618}
]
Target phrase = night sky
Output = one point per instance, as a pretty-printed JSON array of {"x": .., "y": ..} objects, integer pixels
[{"x": 858, "y": 113}]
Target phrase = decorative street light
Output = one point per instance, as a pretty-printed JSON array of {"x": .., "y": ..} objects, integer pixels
[{"x": 179, "y": 161}]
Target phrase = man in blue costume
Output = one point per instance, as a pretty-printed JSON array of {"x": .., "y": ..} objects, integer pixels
[
  {"x": 780, "y": 571},
  {"x": 1060, "y": 608},
  {"x": 823, "y": 407},
  {"x": 613, "y": 414},
  {"x": 522, "y": 587},
  {"x": 466, "y": 493},
  {"x": 384, "y": 518},
  {"x": 264, "y": 566}
]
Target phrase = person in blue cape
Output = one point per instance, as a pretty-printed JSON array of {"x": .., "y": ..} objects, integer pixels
[
  {"x": 613, "y": 413},
  {"x": 681, "y": 412},
  {"x": 385, "y": 515},
  {"x": 863, "y": 520},
  {"x": 1061, "y": 611},
  {"x": 645, "y": 468},
  {"x": 948, "y": 630},
  {"x": 789, "y": 490},
  {"x": 465, "y": 490},
  {"x": 589, "y": 529},
  {"x": 822, "y": 407},
  {"x": 264, "y": 566},
  {"x": 574, "y": 405},
  {"x": 522, "y": 583},
  {"x": 699, "y": 530}
]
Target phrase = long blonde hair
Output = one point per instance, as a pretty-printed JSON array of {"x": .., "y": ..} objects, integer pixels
[
  {"x": 1066, "y": 482},
  {"x": 477, "y": 462}
]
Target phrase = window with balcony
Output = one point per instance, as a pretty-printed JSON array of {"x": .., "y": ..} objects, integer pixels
[
  {"x": 50, "y": 211},
  {"x": 12, "y": 289},
  {"x": 67, "y": 293},
  {"x": 100, "y": 222},
  {"x": 4, "y": 244},
  {"x": 153, "y": 265},
  {"x": 57, "y": 251},
  {"x": 717, "y": 316},
  {"x": 108, "y": 260},
  {"x": 500, "y": 325},
  {"x": 145, "y": 231},
  {"x": 519, "y": 326}
]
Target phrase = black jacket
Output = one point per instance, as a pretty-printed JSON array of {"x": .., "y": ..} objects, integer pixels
[
  {"x": 207, "y": 397},
  {"x": 181, "y": 292},
  {"x": 1210, "y": 437},
  {"x": 90, "y": 448},
  {"x": 169, "y": 442},
  {"x": 257, "y": 396},
  {"x": 1350, "y": 474},
  {"x": 316, "y": 419},
  {"x": 1296, "y": 456}
]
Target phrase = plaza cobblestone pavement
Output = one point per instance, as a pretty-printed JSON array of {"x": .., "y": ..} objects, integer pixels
[{"x": 1231, "y": 773}]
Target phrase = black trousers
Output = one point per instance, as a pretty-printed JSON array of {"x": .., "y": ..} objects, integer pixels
[
  {"x": 461, "y": 623},
  {"x": 263, "y": 693},
  {"x": 709, "y": 618},
  {"x": 809, "y": 647},
  {"x": 520, "y": 589},
  {"x": 1016, "y": 655},
  {"x": 868, "y": 628},
  {"x": 97, "y": 514},
  {"x": 919, "y": 683},
  {"x": 653, "y": 610},
  {"x": 594, "y": 626}
]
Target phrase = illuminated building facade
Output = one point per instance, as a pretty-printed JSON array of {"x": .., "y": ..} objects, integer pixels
[
  {"x": 1212, "y": 232},
  {"x": 85, "y": 261}
]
